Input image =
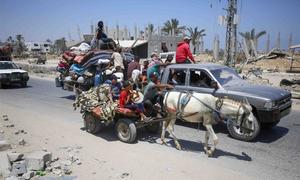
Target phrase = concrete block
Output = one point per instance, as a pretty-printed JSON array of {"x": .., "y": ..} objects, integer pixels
[
  {"x": 5, "y": 166},
  {"x": 4, "y": 145},
  {"x": 18, "y": 168},
  {"x": 37, "y": 159},
  {"x": 12, "y": 178},
  {"x": 28, "y": 175},
  {"x": 14, "y": 156}
]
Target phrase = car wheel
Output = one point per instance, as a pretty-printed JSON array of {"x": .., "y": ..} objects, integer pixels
[
  {"x": 238, "y": 133},
  {"x": 24, "y": 84},
  {"x": 269, "y": 125}
]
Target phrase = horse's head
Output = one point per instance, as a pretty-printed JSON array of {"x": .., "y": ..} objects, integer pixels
[{"x": 246, "y": 118}]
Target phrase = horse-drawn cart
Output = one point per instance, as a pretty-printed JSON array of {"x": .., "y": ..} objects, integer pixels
[
  {"x": 126, "y": 123},
  {"x": 99, "y": 111}
]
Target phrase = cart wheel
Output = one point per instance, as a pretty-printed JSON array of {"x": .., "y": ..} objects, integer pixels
[
  {"x": 91, "y": 124},
  {"x": 154, "y": 128},
  {"x": 126, "y": 130}
]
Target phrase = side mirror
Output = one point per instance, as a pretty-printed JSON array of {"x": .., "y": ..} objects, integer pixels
[
  {"x": 20, "y": 67},
  {"x": 214, "y": 85}
]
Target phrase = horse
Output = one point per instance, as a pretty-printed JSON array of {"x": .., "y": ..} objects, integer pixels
[{"x": 202, "y": 108}]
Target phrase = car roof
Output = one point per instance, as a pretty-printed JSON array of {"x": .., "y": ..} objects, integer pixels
[
  {"x": 6, "y": 61},
  {"x": 209, "y": 66}
]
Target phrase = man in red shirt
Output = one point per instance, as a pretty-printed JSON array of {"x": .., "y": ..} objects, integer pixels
[{"x": 183, "y": 52}]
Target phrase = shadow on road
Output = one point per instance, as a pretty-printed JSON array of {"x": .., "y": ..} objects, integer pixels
[
  {"x": 271, "y": 135},
  {"x": 14, "y": 86},
  {"x": 69, "y": 97},
  {"x": 265, "y": 136},
  {"x": 192, "y": 146}
]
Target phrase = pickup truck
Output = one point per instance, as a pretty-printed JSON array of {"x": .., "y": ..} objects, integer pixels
[
  {"x": 269, "y": 104},
  {"x": 10, "y": 73}
]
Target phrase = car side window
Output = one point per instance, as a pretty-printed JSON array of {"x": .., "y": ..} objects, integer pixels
[
  {"x": 177, "y": 77},
  {"x": 199, "y": 78}
]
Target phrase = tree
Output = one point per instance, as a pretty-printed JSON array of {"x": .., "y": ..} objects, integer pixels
[
  {"x": 171, "y": 26},
  {"x": 248, "y": 36},
  {"x": 150, "y": 28},
  {"x": 19, "y": 45},
  {"x": 195, "y": 36}
]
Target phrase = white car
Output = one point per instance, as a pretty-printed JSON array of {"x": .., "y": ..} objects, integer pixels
[{"x": 10, "y": 73}]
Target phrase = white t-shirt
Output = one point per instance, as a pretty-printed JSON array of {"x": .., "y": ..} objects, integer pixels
[
  {"x": 120, "y": 76},
  {"x": 118, "y": 60}
]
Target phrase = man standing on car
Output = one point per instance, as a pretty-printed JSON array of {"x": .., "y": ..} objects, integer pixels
[
  {"x": 99, "y": 37},
  {"x": 183, "y": 52}
]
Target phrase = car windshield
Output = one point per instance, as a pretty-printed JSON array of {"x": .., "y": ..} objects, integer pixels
[
  {"x": 225, "y": 75},
  {"x": 7, "y": 65}
]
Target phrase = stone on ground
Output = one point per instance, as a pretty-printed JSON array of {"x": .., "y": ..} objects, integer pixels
[
  {"x": 37, "y": 159},
  {"x": 18, "y": 168},
  {"x": 5, "y": 166},
  {"x": 4, "y": 145},
  {"x": 14, "y": 156}
]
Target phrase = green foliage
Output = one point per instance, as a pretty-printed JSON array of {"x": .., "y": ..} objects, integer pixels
[
  {"x": 172, "y": 25},
  {"x": 195, "y": 35}
]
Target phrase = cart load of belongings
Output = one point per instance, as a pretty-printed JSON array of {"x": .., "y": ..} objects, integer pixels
[
  {"x": 97, "y": 101},
  {"x": 75, "y": 62},
  {"x": 5, "y": 53}
]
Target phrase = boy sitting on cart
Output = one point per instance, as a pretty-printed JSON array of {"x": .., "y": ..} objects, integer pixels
[{"x": 126, "y": 100}]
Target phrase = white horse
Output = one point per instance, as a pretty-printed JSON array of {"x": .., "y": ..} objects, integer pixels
[{"x": 198, "y": 107}]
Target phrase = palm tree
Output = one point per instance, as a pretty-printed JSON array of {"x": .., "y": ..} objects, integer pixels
[
  {"x": 150, "y": 28},
  {"x": 20, "y": 45},
  {"x": 171, "y": 26},
  {"x": 252, "y": 36},
  {"x": 195, "y": 35}
]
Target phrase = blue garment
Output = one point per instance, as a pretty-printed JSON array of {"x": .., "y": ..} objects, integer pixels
[
  {"x": 152, "y": 69},
  {"x": 115, "y": 89},
  {"x": 77, "y": 69}
]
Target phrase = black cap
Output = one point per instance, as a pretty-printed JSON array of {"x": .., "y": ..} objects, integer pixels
[{"x": 100, "y": 24}]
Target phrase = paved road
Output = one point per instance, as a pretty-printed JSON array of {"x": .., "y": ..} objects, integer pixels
[{"x": 275, "y": 154}]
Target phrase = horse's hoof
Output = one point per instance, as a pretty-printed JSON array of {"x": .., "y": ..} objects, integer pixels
[
  {"x": 209, "y": 153},
  {"x": 178, "y": 147},
  {"x": 163, "y": 142}
]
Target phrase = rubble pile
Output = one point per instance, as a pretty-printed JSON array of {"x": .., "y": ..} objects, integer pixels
[
  {"x": 272, "y": 65},
  {"x": 34, "y": 164}
]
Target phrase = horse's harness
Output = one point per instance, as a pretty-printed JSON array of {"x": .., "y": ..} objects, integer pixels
[{"x": 181, "y": 104}]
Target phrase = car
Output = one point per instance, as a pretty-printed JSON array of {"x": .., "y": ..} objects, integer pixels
[
  {"x": 269, "y": 104},
  {"x": 10, "y": 73}
]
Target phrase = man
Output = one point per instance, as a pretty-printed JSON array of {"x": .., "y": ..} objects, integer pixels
[
  {"x": 99, "y": 37},
  {"x": 152, "y": 92},
  {"x": 157, "y": 67},
  {"x": 117, "y": 58},
  {"x": 183, "y": 52},
  {"x": 135, "y": 64},
  {"x": 115, "y": 88}
]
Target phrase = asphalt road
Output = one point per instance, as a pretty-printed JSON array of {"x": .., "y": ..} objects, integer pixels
[{"x": 275, "y": 154}]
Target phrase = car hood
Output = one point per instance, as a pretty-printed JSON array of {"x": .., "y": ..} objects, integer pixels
[
  {"x": 8, "y": 71},
  {"x": 259, "y": 90}
]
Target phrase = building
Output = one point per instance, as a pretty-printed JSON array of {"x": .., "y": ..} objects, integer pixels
[{"x": 44, "y": 47}]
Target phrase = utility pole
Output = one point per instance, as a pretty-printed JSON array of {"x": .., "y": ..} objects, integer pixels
[{"x": 231, "y": 32}]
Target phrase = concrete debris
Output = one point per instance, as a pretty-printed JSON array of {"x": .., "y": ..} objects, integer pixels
[
  {"x": 12, "y": 178},
  {"x": 124, "y": 175},
  {"x": 58, "y": 172},
  {"x": 5, "y": 166},
  {"x": 4, "y": 145},
  {"x": 14, "y": 156},
  {"x": 37, "y": 159},
  {"x": 20, "y": 132},
  {"x": 18, "y": 168},
  {"x": 291, "y": 85},
  {"x": 28, "y": 175},
  {"x": 1, "y": 132},
  {"x": 5, "y": 117},
  {"x": 10, "y": 125},
  {"x": 66, "y": 163},
  {"x": 22, "y": 142}
]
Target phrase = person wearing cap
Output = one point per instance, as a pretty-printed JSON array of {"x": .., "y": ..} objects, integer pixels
[
  {"x": 183, "y": 52},
  {"x": 153, "y": 93},
  {"x": 99, "y": 36}
]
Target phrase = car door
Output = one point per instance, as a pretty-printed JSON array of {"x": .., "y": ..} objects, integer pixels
[{"x": 178, "y": 78}]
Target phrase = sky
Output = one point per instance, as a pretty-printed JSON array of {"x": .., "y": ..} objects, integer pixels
[{"x": 38, "y": 20}]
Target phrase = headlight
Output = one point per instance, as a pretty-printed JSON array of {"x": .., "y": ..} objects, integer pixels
[{"x": 269, "y": 105}]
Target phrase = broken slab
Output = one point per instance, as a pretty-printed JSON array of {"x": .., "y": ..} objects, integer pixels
[
  {"x": 28, "y": 175},
  {"x": 12, "y": 178},
  {"x": 37, "y": 159},
  {"x": 18, "y": 168},
  {"x": 4, "y": 145},
  {"x": 14, "y": 156},
  {"x": 5, "y": 166}
]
